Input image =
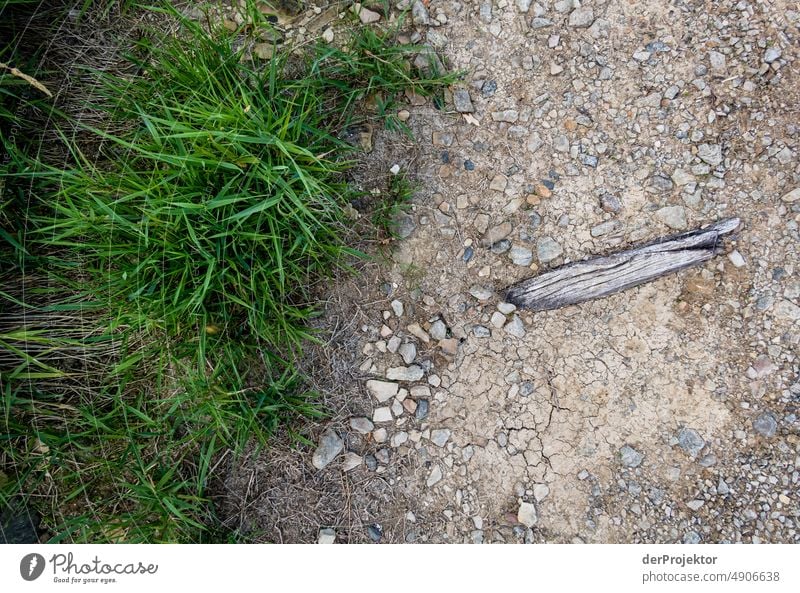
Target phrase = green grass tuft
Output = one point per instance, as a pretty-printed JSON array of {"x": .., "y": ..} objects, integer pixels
[{"x": 156, "y": 280}]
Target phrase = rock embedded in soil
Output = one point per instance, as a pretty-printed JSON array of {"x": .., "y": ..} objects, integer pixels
[
  {"x": 408, "y": 352},
  {"x": 326, "y": 536},
  {"x": 548, "y": 249},
  {"x": 419, "y": 14},
  {"x": 382, "y": 390},
  {"x": 496, "y": 234},
  {"x": 630, "y": 457},
  {"x": 765, "y": 424},
  {"x": 521, "y": 256},
  {"x": 690, "y": 441},
  {"x": 498, "y": 319},
  {"x": 438, "y": 330},
  {"x": 435, "y": 476},
  {"x": 515, "y": 327},
  {"x": 383, "y": 414},
  {"x": 792, "y": 196},
  {"x": 581, "y": 18},
  {"x": 527, "y": 514},
  {"x": 330, "y": 445},
  {"x": 710, "y": 153},
  {"x": 409, "y": 373},
  {"x": 673, "y": 216},
  {"x": 366, "y": 15},
  {"x": 440, "y": 436},
  {"x": 415, "y": 330},
  {"x": 462, "y": 101},
  {"x": 351, "y": 461},
  {"x": 422, "y": 409},
  {"x": 362, "y": 425},
  {"x": 482, "y": 293}
]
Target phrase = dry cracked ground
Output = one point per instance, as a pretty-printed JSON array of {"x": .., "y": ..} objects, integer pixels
[{"x": 666, "y": 413}]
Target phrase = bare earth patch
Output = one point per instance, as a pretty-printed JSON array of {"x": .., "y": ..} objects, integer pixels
[{"x": 667, "y": 413}]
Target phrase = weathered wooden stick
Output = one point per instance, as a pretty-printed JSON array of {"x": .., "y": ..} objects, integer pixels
[{"x": 601, "y": 276}]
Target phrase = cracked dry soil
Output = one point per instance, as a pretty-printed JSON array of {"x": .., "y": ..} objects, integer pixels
[{"x": 666, "y": 413}]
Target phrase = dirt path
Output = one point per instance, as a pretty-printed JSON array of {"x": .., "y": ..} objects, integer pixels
[{"x": 667, "y": 413}]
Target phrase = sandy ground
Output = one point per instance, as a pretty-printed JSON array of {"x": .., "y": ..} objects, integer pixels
[{"x": 667, "y": 413}]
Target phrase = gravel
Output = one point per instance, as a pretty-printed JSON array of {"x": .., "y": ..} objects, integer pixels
[{"x": 630, "y": 457}]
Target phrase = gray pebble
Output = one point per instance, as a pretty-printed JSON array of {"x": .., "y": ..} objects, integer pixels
[
  {"x": 521, "y": 256},
  {"x": 766, "y": 424},
  {"x": 548, "y": 249},
  {"x": 422, "y": 409},
  {"x": 690, "y": 441},
  {"x": 630, "y": 457}
]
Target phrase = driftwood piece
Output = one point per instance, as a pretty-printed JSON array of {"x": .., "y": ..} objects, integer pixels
[{"x": 601, "y": 276}]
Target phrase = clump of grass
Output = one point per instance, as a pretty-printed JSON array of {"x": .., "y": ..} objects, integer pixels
[{"x": 167, "y": 275}]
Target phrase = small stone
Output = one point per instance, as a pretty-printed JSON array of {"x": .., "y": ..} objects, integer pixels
[
  {"x": 330, "y": 445},
  {"x": 422, "y": 409},
  {"x": 673, "y": 216},
  {"x": 710, "y": 153},
  {"x": 506, "y": 308},
  {"x": 630, "y": 457},
  {"x": 438, "y": 330},
  {"x": 527, "y": 514},
  {"x": 489, "y": 88},
  {"x": 792, "y": 196},
  {"x": 399, "y": 439},
  {"x": 366, "y": 15},
  {"x": 449, "y": 346},
  {"x": 408, "y": 352},
  {"x": 382, "y": 415},
  {"x": 610, "y": 203},
  {"x": 772, "y": 54},
  {"x": 469, "y": 165},
  {"x": 736, "y": 259},
  {"x": 524, "y": 5},
  {"x": 379, "y": 435},
  {"x": 327, "y": 35},
  {"x": 499, "y": 183},
  {"x": 419, "y": 14},
  {"x": 482, "y": 293},
  {"x": 604, "y": 228},
  {"x": 264, "y": 51},
  {"x": 521, "y": 256},
  {"x": 362, "y": 425},
  {"x": 581, "y": 18},
  {"x": 397, "y": 308},
  {"x": 409, "y": 405},
  {"x": 589, "y": 160},
  {"x": 765, "y": 424},
  {"x": 540, "y": 492},
  {"x": 415, "y": 330},
  {"x": 393, "y": 344},
  {"x": 326, "y": 536},
  {"x": 507, "y": 115},
  {"x": 691, "y": 537},
  {"x": 479, "y": 331},
  {"x": 351, "y": 461},
  {"x": 403, "y": 115},
  {"x": 682, "y": 177},
  {"x": 394, "y": 169},
  {"x": 382, "y": 390},
  {"x": 496, "y": 233},
  {"x": 440, "y": 436},
  {"x": 435, "y": 476},
  {"x": 722, "y": 487},
  {"x": 717, "y": 61},
  {"x": 375, "y": 532},
  {"x": 661, "y": 183},
  {"x": 540, "y": 23},
  {"x": 501, "y": 247},
  {"x": 498, "y": 319},
  {"x": 410, "y": 373},
  {"x": 404, "y": 224},
  {"x": 462, "y": 101},
  {"x": 690, "y": 441},
  {"x": 548, "y": 249},
  {"x": 515, "y": 327},
  {"x": 695, "y": 504}
]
